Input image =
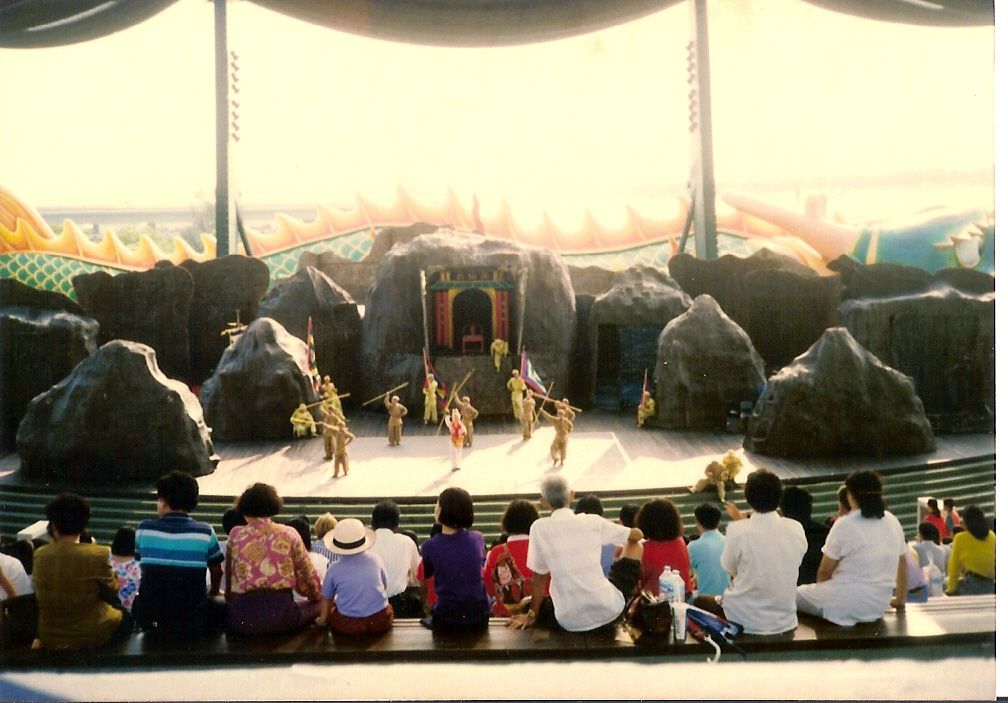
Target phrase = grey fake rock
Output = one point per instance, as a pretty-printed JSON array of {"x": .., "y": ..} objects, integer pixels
[
  {"x": 879, "y": 280},
  {"x": 116, "y": 418},
  {"x": 838, "y": 399},
  {"x": 260, "y": 380},
  {"x": 150, "y": 307},
  {"x": 942, "y": 338},
  {"x": 223, "y": 288},
  {"x": 706, "y": 367},
  {"x": 335, "y": 319},
  {"x": 43, "y": 335},
  {"x": 393, "y": 335}
]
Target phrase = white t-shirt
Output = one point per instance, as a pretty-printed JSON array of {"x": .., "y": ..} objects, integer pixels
[
  {"x": 762, "y": 555},
  {"x": 14, "y": 570},
  {"x": 868, "y": 551},
  {"x": 569, "y": 548},
  {"x": 400, "y": 557}
]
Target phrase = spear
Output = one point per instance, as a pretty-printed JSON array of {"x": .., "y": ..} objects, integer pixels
[
  {"x": 382, "y": 395},
  {"x": 319, "y": 402},
  {"x": 539, "y": 411},
  {"x": 553, "y": 400},
  {"x": 455, "y": 390}
]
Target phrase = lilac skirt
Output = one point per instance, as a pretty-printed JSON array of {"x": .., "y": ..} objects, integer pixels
[{"x": 269, "y": 612}]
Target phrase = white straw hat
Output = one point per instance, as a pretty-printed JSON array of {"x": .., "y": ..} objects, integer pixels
[{"x": 349, "y": 537}]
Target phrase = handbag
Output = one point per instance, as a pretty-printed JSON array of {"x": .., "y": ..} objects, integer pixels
[{"x": 651, "y": 617}]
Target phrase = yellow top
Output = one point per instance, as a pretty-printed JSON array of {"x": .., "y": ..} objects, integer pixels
[
  {"x": 516, "y": 385},
  {"x": 970, "y": 554}
]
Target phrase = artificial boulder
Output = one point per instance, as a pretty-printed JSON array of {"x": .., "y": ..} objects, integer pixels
[
  {"x": 224, "y": 289},
  {"x": 838, "y": 399},
  {"x": 150, "y": 307},
  {"x": 260, "y": 380},
  {"x": 706, "y": 367},
  {"x": 116, "y": 418},
  {"x": 335, "y": 318},
  {"x": 393, "y": 334},
  {"x": 43, "y": 335}
]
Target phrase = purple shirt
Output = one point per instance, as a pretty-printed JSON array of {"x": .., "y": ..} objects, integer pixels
[
  {"x": 357, "y": 581},
  {"x": 456, "y": 562}
]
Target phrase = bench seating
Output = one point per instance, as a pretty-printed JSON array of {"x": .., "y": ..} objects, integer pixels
[{"x": 943, "y": 621}]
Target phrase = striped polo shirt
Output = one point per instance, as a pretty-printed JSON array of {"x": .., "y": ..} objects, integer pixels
[{"x": 177, "y": 540}]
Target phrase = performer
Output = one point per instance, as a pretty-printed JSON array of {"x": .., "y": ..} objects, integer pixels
[
  {"x": 468, "y": 413},
  {"x": 517, "y": 387},
  {"x": 499, "y": 349},
  {"x": 396, "y": 412},
  {"x": 430, "y": 400},
  {"x": 329, "y": 431},
  {"x": 303, "y": 422},
  {"x": 645, "y": 410},
  {"x": 562, "y": 426},
  {"x": 563, "y": 406},
  {"x": 330, "y": 397},
  {"x": 457, "y": 434},
  {"x": 528, "y": 415},
  {"x": 342, "y": 437}
]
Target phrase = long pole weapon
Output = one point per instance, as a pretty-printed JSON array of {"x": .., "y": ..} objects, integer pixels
[
  {"x": 553, "y": 400},
  {"x": 382, "y": 395},
  {"x": 319, "y": 402},
  {"x": 455, "y": 390},
  {"x": 539, "y": 411}
]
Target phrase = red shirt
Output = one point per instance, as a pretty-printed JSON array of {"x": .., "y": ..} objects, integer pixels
[
  {"x": 939, "y": 524},
  {"x": 518, "y": 547},
  {"x": 659, "y": 554}
]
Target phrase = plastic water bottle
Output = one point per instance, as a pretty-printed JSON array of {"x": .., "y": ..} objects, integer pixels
[
  {"x": 936, "y": 585},
  {"x": 671, "y": 586}
]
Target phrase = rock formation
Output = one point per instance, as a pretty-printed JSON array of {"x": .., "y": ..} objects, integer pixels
[
  {"x": 258, "y": 383},
  {"x": 838, "y": 399},
  {"x": 706, "y": 367},
  {"x": 220, "y": 288},
  {"x": 116, "y": 418},
  {"x": 150, "y": 307},
  {"x": 43, "y": 335}
]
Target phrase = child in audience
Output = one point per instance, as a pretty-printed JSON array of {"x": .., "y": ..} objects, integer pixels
[
  {"x": 125, "y": 565},
  {"x": 323, "y": 525},
  {"x": 591, "y": 504},
  {"x": 353, "y": 591},
  {"x": 934, "y": 516},
  {"x": 628, "y": 514},
  {"x": 930, "y": 548},
  {"x": 663, "y": 545},
  {"x": 705, "y": 551},
  {"x": 517, "y": 521}
]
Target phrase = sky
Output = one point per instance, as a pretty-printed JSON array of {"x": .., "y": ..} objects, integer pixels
[{"x": 803, "y": 99}]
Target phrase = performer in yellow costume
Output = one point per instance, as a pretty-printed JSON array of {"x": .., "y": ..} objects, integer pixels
[
  {"x": 303, "y": 422},
  {"x": 645, "y": 410},
  {"x": 563, "y": 427},
  {"x": 499, "y": 349},
  {"x": 517, "y": 387},
  {"x": 396, "y": 412},
  {"x": 430, "y": 400},
  {"x": 468, "y": 414},
  {"x": 528, "y": 415}
]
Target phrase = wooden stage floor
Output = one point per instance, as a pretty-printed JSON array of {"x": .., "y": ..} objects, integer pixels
[{"x": 606, "y": 452}]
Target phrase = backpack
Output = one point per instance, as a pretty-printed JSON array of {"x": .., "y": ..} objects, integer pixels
[
  {"x": 510, "y": 584},
  {"x": 718, "y": 631}
]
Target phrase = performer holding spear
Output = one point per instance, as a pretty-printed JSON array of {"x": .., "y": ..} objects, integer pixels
[
  {"x": 396, "y": 412},
  {"x": 646, "y": 409}
]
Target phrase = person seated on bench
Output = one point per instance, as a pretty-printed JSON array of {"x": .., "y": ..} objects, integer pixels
[
  {"x": 796, "y": 503},
  {"x": 661, "y": 525},
  {"x": 266, "y": 563},
  {"x": 125, "y": 565},
  {"x": 401, "y": 559},
  {"x": 356, "y": 581},
  {"x": 14, "y": 580},
  {"x": 762, "y": 553},
  {"x": 323, "y": 525},
  {"x": 454, "y": 558},
  {"x": 74, "y": 583},
  {"x": 971, "y": 565},
  {"x": 591, "y": 504},
  {"x": 705, "y": 551},
  {"x": 175, "y": 553},
  {"x": 504, "y": 586},
  {"x": 862, "y": 560},
  {"x": 930, "y": 548},
  {"x": 567, "y": 548}
]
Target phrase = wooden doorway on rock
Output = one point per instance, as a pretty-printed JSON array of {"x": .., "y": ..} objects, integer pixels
[
  {"x": 472, "y": 321},
  {"x": 622, "y": 353}
]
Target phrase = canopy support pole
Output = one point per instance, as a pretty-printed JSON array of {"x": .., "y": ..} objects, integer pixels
[
  {"x": 225, "y": 212},
  {"x": 702, "y": 180}
]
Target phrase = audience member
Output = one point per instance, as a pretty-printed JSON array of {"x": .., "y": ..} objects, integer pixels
[
  {"x": 796, "y": 503},
  {"x": 175, "y": 553},
  {"x": 952, "y": 518},
  {"x": 125, "y": 565},
  {"x": 354, "y": 600},
  {"x": 323, "y": 526},
  {"x": 507, "y": 588},
  {"x": 971, "y": 565},
  {"x": 929, "y": 547},
  {"x": 934, "y": 516},
  {"x": 266, "y": 564},
  {"x": 916, "y": 581},
  {"x": 74, "y": 583},
  {"x": 566, "y": 547},
  {"x": 762, "y": 555},
  {"x": 319, "y": 562},
  {"x": 661, "y": 525},
  {"x": 14, "y": 580},
  {"x": 862, "y": 560},
  {"x": 843, "y": 507},
  {"x": 23, "y": 551},
  {"x": 454, "y": 558},
  {"x": 229, "y": 520},
  {"x": 628, "y": 514},
  {"x": 401, "y": 559},
  {"x": 591, "y": 504},
  {"x": 705, "y": 551}
]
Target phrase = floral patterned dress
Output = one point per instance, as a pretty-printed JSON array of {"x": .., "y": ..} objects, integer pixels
[{"x": 128, "y": 576}]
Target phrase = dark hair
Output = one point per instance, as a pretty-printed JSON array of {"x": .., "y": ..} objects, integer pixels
[
  {"x": 866, "y": 488},
  {"x": 841, "y": 496},
  {"x": 86, "y": 537},
  {"x": 763, "y": 491},
  {"x": 231, "y": 519},
  {"x": 23, "y": 551},
  {"x": 435, "y": 529},
  {"x": 707, "y": 515},
  {"x": 932, "y": 505},
  {"x": 259, "y": 500},
  {"x": 975, "y": 521},
  {"x": 628, "y": 513},
  {"x": 519, "y": 516},
  {"x": 929, "y": 532},
  {"x": 179, "y": 491},
  {"x": 948, "y": 502},
  {"x": 589, "y": 504},
  {"x": 659, "y": 520},
  {"x": 68, "y": 514},
  {"x": 796, "y": 503},
  {"x": 300, "y": 523},
  {"x": 124, "y": 542},
  {"x": 456, "y": 508},
  {"x": 385, "y": 514}
]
